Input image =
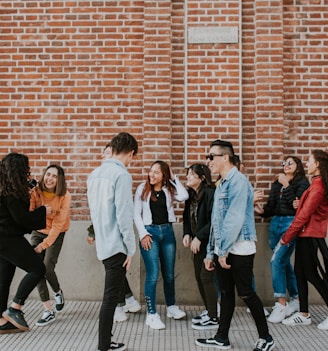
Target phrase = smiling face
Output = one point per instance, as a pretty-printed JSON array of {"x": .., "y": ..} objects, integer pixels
[
  {"x": 156, "y": 176},
  {"x": 312, "y": 166},
  {"x": 290, "y": 167},
  {"x": 216, "y": 165},
  {"x": 50, "y": 179},
  {"x": 193, "y": 180}
]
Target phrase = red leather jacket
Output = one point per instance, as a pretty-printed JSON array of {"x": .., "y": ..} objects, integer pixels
[{"x": 311, "y": 218}]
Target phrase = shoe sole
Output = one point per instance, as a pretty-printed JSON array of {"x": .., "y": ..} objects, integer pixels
[
  {"x": 213, "y": 346},
  {"x": 155, "y": 328},
  {"x": 205, "y": 327},
  {"x": 11, "y": 331},
  {"x": 121, "y": 320},
  {"x": 45, "y": 324},
  {"x": 132, "y": 310},
  {"x": 12, "y": 321},
  {"x": 58, "y": 311},
  {"x": 169, "y": 315}
]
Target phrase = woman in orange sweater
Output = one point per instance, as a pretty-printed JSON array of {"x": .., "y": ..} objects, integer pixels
[{"x": 48, "y": 242}]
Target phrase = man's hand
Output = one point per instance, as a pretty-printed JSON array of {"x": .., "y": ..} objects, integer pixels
[
  {"x": 223, "y": 262},
  {"x": 209, "y": 264},
  {"x": 127, "y": 262}
]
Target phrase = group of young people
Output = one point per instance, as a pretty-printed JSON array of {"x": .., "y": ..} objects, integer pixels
[{"x": 218, "y": 228}]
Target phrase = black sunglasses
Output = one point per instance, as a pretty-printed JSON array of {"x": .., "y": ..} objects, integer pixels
[
  {"x": 211, "y": 156},
  {"x": 285, "y": 163}
]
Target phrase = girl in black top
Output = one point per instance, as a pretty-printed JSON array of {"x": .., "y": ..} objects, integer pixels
[
  {"x": 15, "y": 251},
  {"x": 196, "y": 231}
]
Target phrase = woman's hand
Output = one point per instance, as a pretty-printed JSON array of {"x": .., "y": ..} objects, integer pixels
[
  {"x": 186, "y": 240},
  {"x": 195, "y": 245},
  {"x": 258, "y": 196},
  {"x": 146, "y": 242},
  {"x": 296, "y": 203},
  {"x": 38, "y": 249},
  {"x": 258, "y": 209}
]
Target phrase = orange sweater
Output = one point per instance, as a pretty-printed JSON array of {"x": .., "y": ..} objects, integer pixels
[{"x": 58, "y": 221}]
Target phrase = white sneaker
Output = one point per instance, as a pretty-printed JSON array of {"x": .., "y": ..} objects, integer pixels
[
  {"x": 154, "y": 321},
  {"x": 297, "y": 319},
  {"x": 132, "y": 307},
  {"x": 120, "y": 315},
  {"x": 323, "y": 325},
  {"x": 294, "y": 306},
  {"x": 279, "y": 313},
  {"x": 175, "y": 312}
]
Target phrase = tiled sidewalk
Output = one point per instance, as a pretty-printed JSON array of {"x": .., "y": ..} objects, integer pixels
[{"x": 76, "y": 328}]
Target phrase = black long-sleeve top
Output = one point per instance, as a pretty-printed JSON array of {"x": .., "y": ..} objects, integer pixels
[
  {"x": 17, "y": 220},
  {"x": 280, "y": 202}
]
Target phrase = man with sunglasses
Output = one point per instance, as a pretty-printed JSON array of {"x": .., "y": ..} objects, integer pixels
[{"x": 231, "y": 248}]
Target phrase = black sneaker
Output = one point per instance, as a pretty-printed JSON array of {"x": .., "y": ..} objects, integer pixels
[
  {"x": 216, "y": 343},
  {"x": 211, "y": 323},
  {"x": 9, "y": 328},
  {"x": 264, "y": 344},
  {"x": 47, "y": 318},
  {"x": 59, "y": 300},
  {"x": 15, "y": 317},
  {"x": 117, "y": 346}
]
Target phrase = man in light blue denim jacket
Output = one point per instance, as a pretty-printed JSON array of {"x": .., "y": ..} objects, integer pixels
[{"x": 231, "y": 248}]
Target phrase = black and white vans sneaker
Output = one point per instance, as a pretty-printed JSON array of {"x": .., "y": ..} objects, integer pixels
[
  {"x": 59, "y": 300},
  {"x": 264, "y": 344},
  {"x": 202, "y": 315},
  {"x": 47, "y": 318},
  {"x": 211, "y": 323},
  {"x": 115, "y": 346},
  {"x": 216, "y": 343}
]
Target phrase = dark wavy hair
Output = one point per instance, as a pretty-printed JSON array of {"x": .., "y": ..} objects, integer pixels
[
  {"x": 204, "y": 174},
  {"x": 60, "y": 189},
  {"x": 322, "y": 157},
  {"x": 149, "y": 188},
  {"x": 14, "y": 173}
]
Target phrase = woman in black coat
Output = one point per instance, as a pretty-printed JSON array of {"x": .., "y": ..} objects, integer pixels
[
  {"x": 196, "y": 231},
  {"x": 15, "y": 251}
]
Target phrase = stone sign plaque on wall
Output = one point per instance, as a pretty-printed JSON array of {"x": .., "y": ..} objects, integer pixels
[{"x": 213, "y": 35}]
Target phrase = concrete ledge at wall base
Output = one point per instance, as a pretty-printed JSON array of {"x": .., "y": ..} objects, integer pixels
[{"x": 81, "y": 274}]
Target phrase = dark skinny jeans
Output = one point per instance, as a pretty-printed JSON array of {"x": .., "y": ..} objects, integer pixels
[
  {"x": 17, "y": 252},
  {"x": 239, "y": 276},
  {"x": 114, "y": 285}
]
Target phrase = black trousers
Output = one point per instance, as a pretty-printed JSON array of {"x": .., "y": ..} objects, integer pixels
[
  {"x": 206, "y": 285},
  {"x": 114, "y": 286},
  {"x": 239, "y": 276},
  {"x": 17, "y": 252},
  {"x": 306, "y": 270}
]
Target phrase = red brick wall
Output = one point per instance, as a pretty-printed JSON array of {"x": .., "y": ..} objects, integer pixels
[{"x": 74, "y": 73}]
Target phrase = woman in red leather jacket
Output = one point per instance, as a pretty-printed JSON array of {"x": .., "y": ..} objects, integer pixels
[{"x": 310, "y": 228}]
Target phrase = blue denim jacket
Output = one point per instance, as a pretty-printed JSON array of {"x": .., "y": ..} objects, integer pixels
[{"x": 232, "y": 214}]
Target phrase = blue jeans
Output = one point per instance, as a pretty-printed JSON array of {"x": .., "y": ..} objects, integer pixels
[
  {"x": 283, "y": 276},
  {"x": 162, "y": 250}
]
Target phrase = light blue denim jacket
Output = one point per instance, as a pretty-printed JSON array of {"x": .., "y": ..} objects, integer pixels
[
  {"x": 232, "y": 214},
  {"x": 111, "y": 208}
]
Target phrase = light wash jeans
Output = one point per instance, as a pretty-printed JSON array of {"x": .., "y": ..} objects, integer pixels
[
  {"x": 283, "y": 276},
  {"x": 162, "y": 251}
]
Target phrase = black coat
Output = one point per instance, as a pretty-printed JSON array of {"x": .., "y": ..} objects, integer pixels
[
  {"x": 282, "y": 205},
  {"x": 17, "y": 220},
  {"x": 204, "y": 212}
]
